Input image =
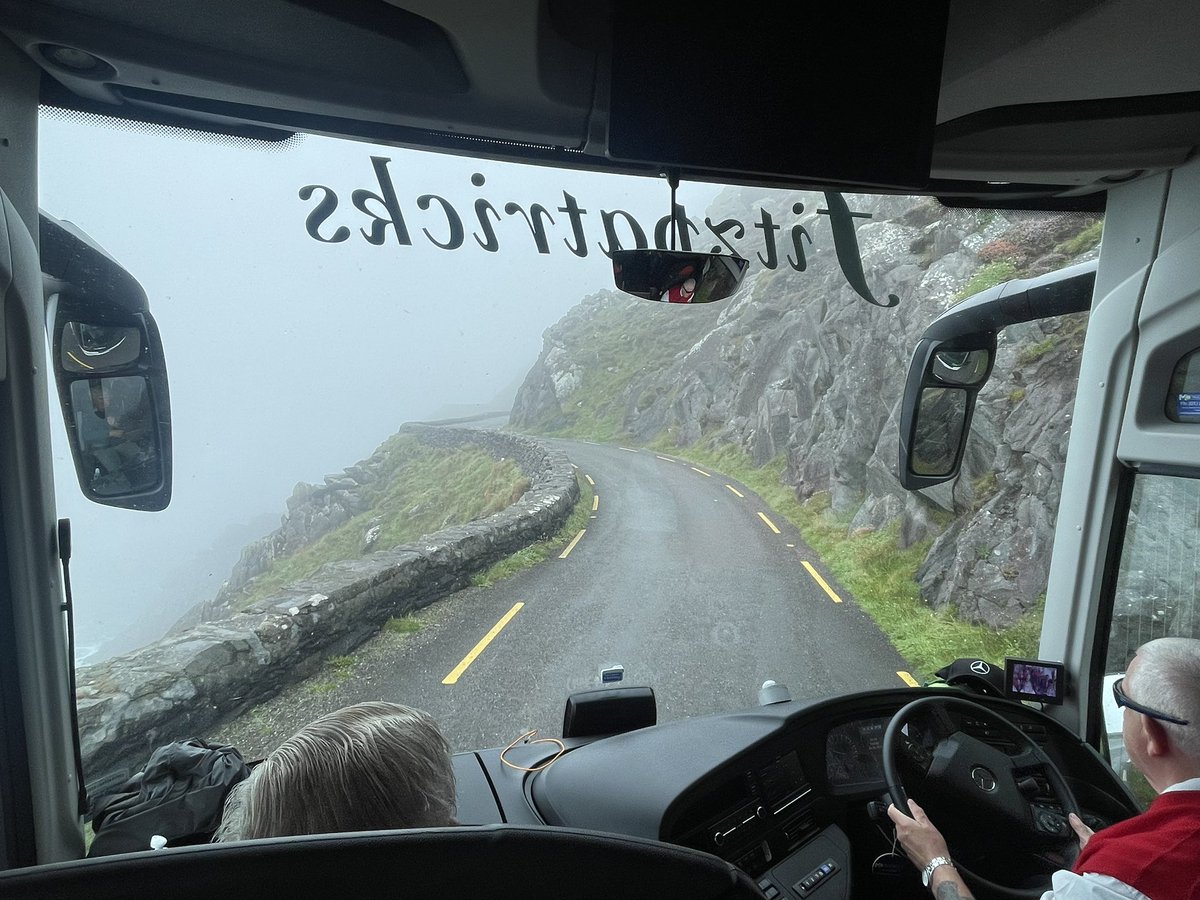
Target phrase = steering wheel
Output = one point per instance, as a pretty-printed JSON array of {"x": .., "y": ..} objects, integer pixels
[{"x": 970, "y": 787}]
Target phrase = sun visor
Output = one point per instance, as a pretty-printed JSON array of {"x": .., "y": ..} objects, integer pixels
[{"x": 851, "y": 92}]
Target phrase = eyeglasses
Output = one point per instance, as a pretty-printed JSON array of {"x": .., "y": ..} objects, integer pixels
[{"x": 1123, "y": 700}]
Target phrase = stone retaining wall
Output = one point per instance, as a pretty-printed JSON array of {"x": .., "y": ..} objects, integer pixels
[{"x": 183, "y": 685}]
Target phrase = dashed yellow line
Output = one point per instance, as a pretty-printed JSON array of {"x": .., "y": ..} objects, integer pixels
[
  {"x": 908, "y": 679},
  {"x": 702, "y": 472},
  {"x": 821, "y": 581},
  {"x": 736, "y": 491},
  {"x": 770, "y": 524},
  {"x": 589, "y": 480},
  {"x": 595, "y": 502},
  {"x": 453, "y": 677},
  {"x": 571, "y": 546}
]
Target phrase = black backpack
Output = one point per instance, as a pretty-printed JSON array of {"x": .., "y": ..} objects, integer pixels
[{"x": 180, "y": 795}]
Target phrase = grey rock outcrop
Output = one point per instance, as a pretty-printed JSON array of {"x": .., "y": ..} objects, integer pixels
[
  {"x": 798, "y": 366},
  {"x": 181, "y": 686}
]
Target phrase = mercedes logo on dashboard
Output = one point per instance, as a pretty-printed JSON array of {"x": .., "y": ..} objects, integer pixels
[
  {"x": 984, "y": 780},
  {"x": 979, "y": 667}
]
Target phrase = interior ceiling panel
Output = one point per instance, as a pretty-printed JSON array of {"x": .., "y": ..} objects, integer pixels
[{"x": 1020, "y": 100}]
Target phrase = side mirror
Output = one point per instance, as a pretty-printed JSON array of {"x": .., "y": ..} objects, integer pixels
[
  {"x": 678, "y": 276},
  {"x": 954, "y": 359},
  {"x": 109, "y": 371},
  {"x": 939, "y": 400}
]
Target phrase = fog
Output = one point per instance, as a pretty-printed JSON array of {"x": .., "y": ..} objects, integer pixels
[{"x": 290, "y": 358}]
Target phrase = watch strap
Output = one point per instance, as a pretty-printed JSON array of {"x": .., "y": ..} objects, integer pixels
[{"x": 934, "y": 863}]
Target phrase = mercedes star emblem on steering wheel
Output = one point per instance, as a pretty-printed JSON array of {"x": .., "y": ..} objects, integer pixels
[
  {"x": 984, "y": 780},
  {"x": 979, "y": 667}
]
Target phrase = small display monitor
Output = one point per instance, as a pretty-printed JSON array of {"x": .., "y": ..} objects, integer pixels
[{"x": 1039, "y": 680}]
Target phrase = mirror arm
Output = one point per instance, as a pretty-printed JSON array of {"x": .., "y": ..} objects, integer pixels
[
  {"x": 71, "y": 258},
  {"x": 1022, "y": 300}
]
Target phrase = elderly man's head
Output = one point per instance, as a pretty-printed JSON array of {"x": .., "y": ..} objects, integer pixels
[
  {"x": 365, "y": 767},
  {"x": 1164, "y": 679}
]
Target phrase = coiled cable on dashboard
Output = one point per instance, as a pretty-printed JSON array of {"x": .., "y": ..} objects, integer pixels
[{"x": 524, "y": 739}]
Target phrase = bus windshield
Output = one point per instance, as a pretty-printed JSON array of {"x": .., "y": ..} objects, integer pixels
[{"x": 384, "y": 364}]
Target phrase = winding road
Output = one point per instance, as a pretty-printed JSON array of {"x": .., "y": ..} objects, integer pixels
[{"x": 682, "y": 576}]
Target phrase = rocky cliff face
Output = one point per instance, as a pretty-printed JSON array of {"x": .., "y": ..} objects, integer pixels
[{"x": 798, "y": 365}]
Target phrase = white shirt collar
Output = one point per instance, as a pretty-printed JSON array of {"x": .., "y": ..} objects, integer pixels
[{"x": 1190, "y": 784}]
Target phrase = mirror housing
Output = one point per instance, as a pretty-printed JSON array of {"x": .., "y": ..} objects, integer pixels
[
  {"x": 943, "y": 381},
  {"x": 953, "y": 361},
  {"x": 109, "y": 370},
  {"x": 678, "y": 276}
]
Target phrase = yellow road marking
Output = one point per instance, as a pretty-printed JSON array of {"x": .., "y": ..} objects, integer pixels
[
  {"x": 571, "y": 546},
  {"x": 908, "y": 679},
  {"x": 770, "y": 524},
  {"x": 595, "y": 502},
  {"x": 453, "y": 677},
  {"x": 821, "y": 581},
  {"x": 702, "y": 472},
  {"x": 736, "y": 491},
  {"x": 628, "y": 450},
  {"x": 589, "y": 480},
  {"x": 665, "y": 458}
]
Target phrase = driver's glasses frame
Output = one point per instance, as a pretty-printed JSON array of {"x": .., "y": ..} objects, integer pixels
[{"x": 1122, "y": 699}]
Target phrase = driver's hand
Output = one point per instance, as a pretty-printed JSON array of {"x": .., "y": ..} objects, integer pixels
[
  {"x": 1082, "y": 831},
  {"x": 917, "y": 835}
]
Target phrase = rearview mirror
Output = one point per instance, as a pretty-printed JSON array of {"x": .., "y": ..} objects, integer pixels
[
  {"x": 109, "y": 371},
  {"x": 678, "y": 276}
]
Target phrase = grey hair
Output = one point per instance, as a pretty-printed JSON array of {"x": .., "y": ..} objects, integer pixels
[
  {"x": 1168, "y": 679},
  {"x": 366, "y": 767}
]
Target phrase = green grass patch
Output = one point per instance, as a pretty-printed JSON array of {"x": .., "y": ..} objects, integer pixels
[
  {"x": 985, "y": 488},
  {"x": 425, "y": 489},
  {"x": 1033, "y": 352},
  {"x": 402, "y": 625},
  {"x": 880, "y": 574},
  {"x": 1084, "y": 241},
  {"x": 989, "y": 276},
  {"x": 336, "y": 670},
  {"x": 1016, "y": 395},
  {"x": 542, "y": 550}
]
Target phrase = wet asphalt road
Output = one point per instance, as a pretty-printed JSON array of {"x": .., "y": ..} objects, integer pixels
[{"x": 677, "y": 578}]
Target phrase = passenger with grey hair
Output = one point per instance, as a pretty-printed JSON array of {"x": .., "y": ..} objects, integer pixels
[
  {"x": 366, "y": 767},
  {"x": 1152, "y": 856}
]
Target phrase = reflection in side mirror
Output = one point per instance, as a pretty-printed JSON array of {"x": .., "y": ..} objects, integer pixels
[
  {"x": 112, "y": 385},
  {"x": 967, "y": 368},
  {"x": 678, "y": 276},
  {"x": 116, "y": 437},
  {"x": 941, "y": 425},
  {"x": 944, "y": 378},
  {"x": 98, "y": 348}
]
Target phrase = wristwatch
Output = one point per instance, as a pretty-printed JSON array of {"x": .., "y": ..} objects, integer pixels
[{"x": 933, "y": 864}]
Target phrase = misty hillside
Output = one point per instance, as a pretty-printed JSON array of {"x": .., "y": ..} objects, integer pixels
[{"x": 799, "y": 370}]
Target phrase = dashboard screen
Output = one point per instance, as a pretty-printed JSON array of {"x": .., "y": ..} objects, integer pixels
[{"x": 1034, "y": 679}]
